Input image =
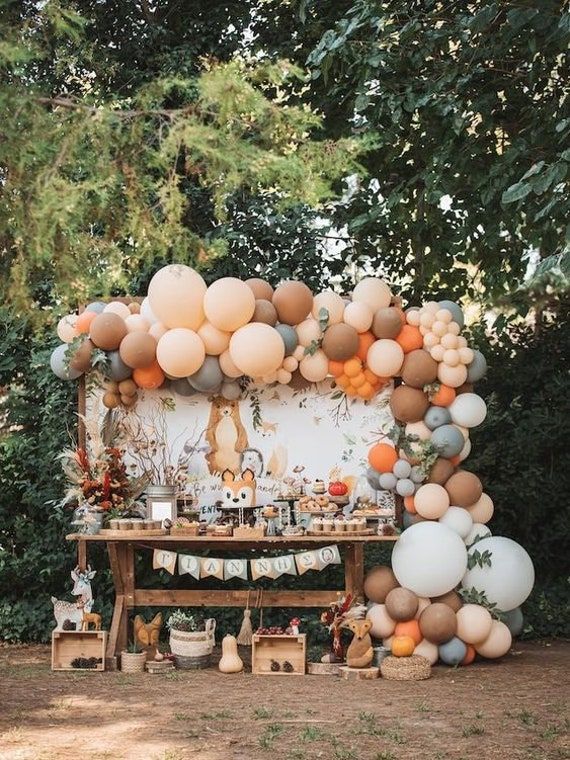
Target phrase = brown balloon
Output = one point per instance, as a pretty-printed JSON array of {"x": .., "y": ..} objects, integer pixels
[
  {"x": 127, "y": 387},
  {"x": 107, "y": 330},
  {"x": 452, "y": 599},
  {"x": 81, "y": 360},
  {"x": 264, "y": 312},
  {"x": 378, "y": 583},
  {"x": 128, "y": 400},
  {"x": 293, "y": 301},
  {"x": 401, "y": 604},
  {"x": 111, "y": 400},
  {"x": 340, "y": 342},
  {"x": 438, "y": 623},
  {"x": 465, "y": 388},
  {"x": 387, "y": 323},
  {"x": 261, "y": 289},
  {"x": 112, "y": 386},
  {"x": 419, "y": 368},
  {"x": 464, "y": 488},
  {"x": 408, "y": 404},
  {"x": 441, "y": 471},
  {"x": 138, "y": 350}
]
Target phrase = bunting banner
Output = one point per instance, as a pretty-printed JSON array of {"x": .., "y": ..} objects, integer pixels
[{"x": 261, "y": 567}]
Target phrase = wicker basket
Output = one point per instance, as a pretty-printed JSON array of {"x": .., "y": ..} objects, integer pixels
[
  {"x": 133, "y": 662},
  {"x": 196, "y": 646},
  {"x": 414, "y": 668},
  {"x": 192, "y": 663}
]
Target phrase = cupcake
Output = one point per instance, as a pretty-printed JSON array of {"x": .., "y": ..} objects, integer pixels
[
  {"x": 318, "y": 486},
  {"x": 328, "y": 524},
  {"x": 352, "y": 524},
  {"x": 317, "y": 524},
  {"x": 340, "y": 525}
]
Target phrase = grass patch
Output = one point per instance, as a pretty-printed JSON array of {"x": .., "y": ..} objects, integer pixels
[
  {"x": 312, "y": 734},
  {"x": 262, "y": 713},
  {"x": 220, "y": 715},
  {"x": 385, "y": 755},
  {"x": 181, "y": 716},
  {"x": 422, "y": 707},
  {"x": 267, "y": 738},
  {"x": 551, "y": 732},
  {"x": 472, "y": 730},
  {"x": 526, "y": 718}
]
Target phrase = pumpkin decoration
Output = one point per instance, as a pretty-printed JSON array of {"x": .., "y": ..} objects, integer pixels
[
  {"x": 230, "y": 662},
  {"x": 338, "y": 488},
  {"x": 410, "y": 629},
  {"x": 403, "y": 646}
]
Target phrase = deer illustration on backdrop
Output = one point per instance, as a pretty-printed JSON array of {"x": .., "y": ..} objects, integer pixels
[{"x": 73, "y": 611}]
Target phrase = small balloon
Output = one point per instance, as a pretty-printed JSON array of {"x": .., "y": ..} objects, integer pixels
[
  {"x": 96, "y": 306},
  {"x": 452, "y": 652},
  {"x": 290, "y": 338},
  {"x": 456, "y": 311},
  {"x": 209, "y": 377},
  {"x": 118, "y": 370}
]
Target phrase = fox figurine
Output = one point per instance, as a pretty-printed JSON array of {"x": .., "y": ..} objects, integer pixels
[
  {"x": 359, "y": 653},
  {"x": 239, "y": 493}
]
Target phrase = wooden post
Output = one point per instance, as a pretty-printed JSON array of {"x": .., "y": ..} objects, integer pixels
[
  {"x": 118, "y": 636},
  {"x": 82, "y": 554},
  {"x": 354, "y": 570}
]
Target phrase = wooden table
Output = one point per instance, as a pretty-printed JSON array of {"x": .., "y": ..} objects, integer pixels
[{"x": 128, "y": 596}]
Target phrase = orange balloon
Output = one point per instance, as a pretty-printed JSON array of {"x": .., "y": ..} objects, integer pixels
[
  {"x": 366, "y": 390},
  {"x": 382, "y": 457},
  {"x": 365, "y": 340},
  {"x": 343, "y": 381},
  {"x": 444, "y": 396},
  {"x": 352, "y": 367},
  {"x": 84, "y": 321},
  {"x": 409, "y": 628},
  {"x": 150, "y": 377},
  {"x": 336, "y": 368},
  {"x": 410, "y": 338},
  {"x": 350, "y": 390},
  {"x": 410, "y": 505},
  {"x": 470, "y": 656},
  {"x": 358, "y": 380}
]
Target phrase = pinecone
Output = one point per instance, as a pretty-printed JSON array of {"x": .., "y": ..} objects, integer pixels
[
  {"x": 287, "y": 667},
  {"x": 275, "y": 666}
]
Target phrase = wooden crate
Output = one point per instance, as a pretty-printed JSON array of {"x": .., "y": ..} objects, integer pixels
[
  {"x": 280, "y": 648},
  {"x": 67, "y": 645},
  {"x": 253, "y": 533}
]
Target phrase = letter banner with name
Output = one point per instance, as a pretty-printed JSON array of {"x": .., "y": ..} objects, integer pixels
[{"x": 163, "y": 559}]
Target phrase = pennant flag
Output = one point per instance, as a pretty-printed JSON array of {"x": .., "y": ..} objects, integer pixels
[
  {"x": 189, "y": 564},
  {"x": 235, "y": 568},
  {"x": 285, "y": 564},
  {"x": 306, "y": 561},
  {"x": 164, "y": 559},
  {"x": 212, "y": 567},
  {"x": 261, "y": 568},
  {"x": 328, "y": 555}
]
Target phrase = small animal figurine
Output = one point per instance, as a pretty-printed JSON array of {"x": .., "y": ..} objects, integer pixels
[
  {"x": 239, "y": 493},
  {"x": 73, "y": 611},
  {"x": 90, "y": 617},
  {"x": 359, "y": 653},
  {"x": 147, "y": 634}
]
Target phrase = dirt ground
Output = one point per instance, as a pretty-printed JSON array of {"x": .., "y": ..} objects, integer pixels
[{"x": 515, "y": 708}]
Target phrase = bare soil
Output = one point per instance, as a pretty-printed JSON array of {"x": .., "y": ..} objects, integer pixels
[{"x": 510, "y": 709}]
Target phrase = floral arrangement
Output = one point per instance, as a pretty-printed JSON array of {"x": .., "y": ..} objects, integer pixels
[{"x": 181, "y": 621}]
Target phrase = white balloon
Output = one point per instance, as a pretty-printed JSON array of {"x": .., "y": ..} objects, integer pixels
[
  {"x": 508, "y": 581},
  {"x": 465, "y": 451},
  {"x": 458, "y": 520},
  {"x": 382, "y": 624},
  {"x": 476, "y": 534},
  {"x": 147, "y": 312},
  {"x": 468, "y": 410},
  {"x": 429, "y": 559}
]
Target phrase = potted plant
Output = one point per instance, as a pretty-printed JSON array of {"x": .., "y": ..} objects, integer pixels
[
  {"x": 133, "y": 659},
  {"x": 190, "y": 646}
]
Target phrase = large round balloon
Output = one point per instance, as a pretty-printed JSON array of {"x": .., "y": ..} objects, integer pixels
[
  {"x": 260, "y": 288},
  {"x": 229, "y": 304},
  {"x": 464, "y": 488},
  {"x": 382, "y": 624},
  {"x": 60, "y": 364},
  {"x": 264, "y": 312},
  {"x": 448, "y": 440},
  {"x": 497, "y": 643},
  {"x": 332, "y": 303},
  {"x": 118, "y": 370},
  {"x": 410, "y": 405},
  {"x": 452, "y": 652},
  {"x": 429, "y": 559},
  {"x": 459, "y": 520},
  {"x": 468, "y": 410},
  {"x": 314, "y": 367},
  {"x": 180, "y": 352},
  {"x": 378, "y": 583},
  {"x": 401, "y": 604},
  {"x": 387, "y": 323},
  {"x": 431, "y": 501},
  {"x": 138, "y": 349},
  {"x": 147, "y": 312},
  {"x": 436, "y": 416},
  {"x": 293, "y": 301},
  {"x": 508, "y": 581},
  {"x": 176, "y": 295},
  {"x": 66, "y": 331},
  {"x": 107, "y": 330},
  {"x": 385, "y": 358},
  {"x": 257, "y": 349},
  {"x": 482, "y": 510},
  {"x": 438, "y": 623},
  {"x": 215, "y": 341},
  {"x": 473, "y": 623},
  {"x": 373, "y": 292},
  {"x": 209, "y": 377},
  {"x": 419, "y": 369},
  {"x": 359, "y": 316},
  {"x": 340, "y": 342}
]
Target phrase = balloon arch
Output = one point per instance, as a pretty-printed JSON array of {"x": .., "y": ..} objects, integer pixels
[{"x": 214, "y": 339}]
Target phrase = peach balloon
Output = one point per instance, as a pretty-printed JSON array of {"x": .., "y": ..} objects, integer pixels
[
  {"x": 423, "y": 602},
  {"x": 118, "y": 308},
  {"x": 307, "y": 332},
  {"x": 290, "y": 363},
  {"x": 175, "y": 296},
  {"x": 137, "y": 323},
  {"x": 374, "y": 292},
  {"x": 180, "y": 352},
  {"x": 358, "y": 315},
  {"x": 385, "y": 357},
  {"x": 66, "y": 331},
  {"x": 215, "y": 341},
  {"x": 497, "y": 643},
  {"x": 260, "y": 288},
  {"x": 283, "y": 376},
  {"x": 83, "y": 322},
  {"x": 315, "y": 367},
  {"x": 257, "y": 349},
  {"x": 428, "y": 650},
  {"x": 157, "y": 330},
  {"x": 299, "y": 353},
  {"x": 482, "y": 510},
  {"x": 229, "y": 304},
  {"x": 228, "y": 366},
  {"x": 452, "y": 376},
  {"x": 419, "y": 429},
  {"x": 473, "y": 623},
  {"x": 431, "y": 501},
  {"x": 382, "y": 624},
  {"x": 330, "y": 301}
]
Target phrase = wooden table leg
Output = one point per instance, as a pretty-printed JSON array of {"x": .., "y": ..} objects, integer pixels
[
  {"x": 118, "y": 635},
  {"x": 82, "y": 554},
  {"x": 354, "y": 570}
]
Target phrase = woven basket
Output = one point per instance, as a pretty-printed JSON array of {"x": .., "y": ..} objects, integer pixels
[
  {"x": 192, "y": 663},
  {"x": 193, "y": 643},
  {"x": 414, "y": 668},
  {"x": 133, "y": 662}
]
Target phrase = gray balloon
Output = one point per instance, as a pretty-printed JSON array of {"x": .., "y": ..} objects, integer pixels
[
  {"x": 453, "y": 652},
  {"x": 514, "y": 621},
  {"x": 417, "y": 475},
  {"x": 455, "y": 310},
  {"x": 387, "y": 481},
  {"x": 409, "y": 519},
  {"x": 402, "y": 469},
  {"x": 181, "y": 386},
  {"x": 231, "y": 391},
  {"x": 478, "y": 367},
  {"x": 436, "y": 416},
  {"x": 209, "y": 377},
  {"x": 405, "y": 487},
  {"x": 59, "y": 363},
  {"x": 372, "y": 478},
  {"x": 118, "y": 370},
  {"x": 448, "y": 439},
  {"x": 290, "y": 338},
  {"x": 96, "y": 306}
]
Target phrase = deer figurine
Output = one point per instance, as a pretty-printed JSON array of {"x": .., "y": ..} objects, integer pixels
[
  {"x": 73, "y": 611},
  {"x": 90, "y": 617}
]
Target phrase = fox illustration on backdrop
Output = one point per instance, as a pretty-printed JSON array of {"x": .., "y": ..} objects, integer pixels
[
  {"x": 239, "y": 493},
  {"x": 226, "y": 436}
]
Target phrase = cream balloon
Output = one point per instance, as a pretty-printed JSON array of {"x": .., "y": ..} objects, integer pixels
[
  {"x": 452, "y": 376},
  {"x": 299, "y": 353},
  {"x": 333, "y": 304},
  {"x": 227, "y": 365},
  {"x": 66, "y": 331},
  {"x": 497, "y": 643},
  {"x": 428, "y": 650},
  {"x": 157, "y": 330},
  {"x": 468, "y": 410},
  {"x": 290, "y": 363},
  {"x": 137, "y": 323},
  {"x": 374, "y": 292},
  {"x": 180, "y": 352},
  {"x": 419, "y": 429},
  {"x": 473, "y": 623},
  {"x": 385, "y": 357},
  {"x": 382, "y": 624},
  {"x": 283, "y": 377},
  {"x": 176, "y": 295},
  {"x": 147, "y": 312},
  {"x": 358, "y": 315},
  {"x": 458, "y": 520},
  {"x": 257, "y": 349},
  {"x": 431, "y": 501},
  {"x": 118, "y": 308},
  {"x": 308, "y": 332},
  {"x": 216, "y": 341},
  {"x": 314, "y": 367},
  {"x": 229, "y": 304},
  {"x": 482, "y": 510},
  {"x": 465, "y": 451}
]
